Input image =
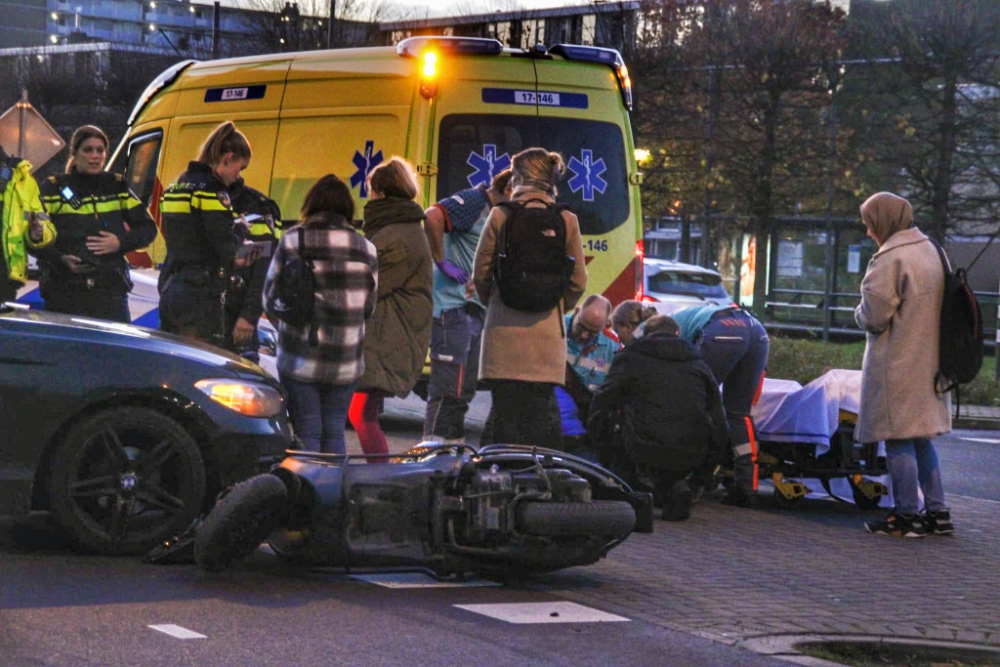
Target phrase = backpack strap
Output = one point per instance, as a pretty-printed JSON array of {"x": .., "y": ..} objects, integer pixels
[
  {"x": 944, "y": 258},
  {"x": 302, "y": 242}
]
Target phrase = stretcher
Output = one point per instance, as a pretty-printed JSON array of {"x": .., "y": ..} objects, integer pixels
[{"x": 805, "y": 442}]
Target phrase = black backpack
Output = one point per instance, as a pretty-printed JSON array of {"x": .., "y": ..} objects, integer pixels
[
  {"x": 532, "y": 270},
  {"x": 961, "y": 344},
  {"x": 295, "y": 290}
]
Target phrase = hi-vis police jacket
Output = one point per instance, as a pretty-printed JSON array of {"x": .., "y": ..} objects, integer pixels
[
  {"x": 198, "y": 225},
  {"x": 82, "y": 205}
]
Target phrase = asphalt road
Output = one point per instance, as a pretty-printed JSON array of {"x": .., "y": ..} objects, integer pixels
[{"x": 66, "y": 610}]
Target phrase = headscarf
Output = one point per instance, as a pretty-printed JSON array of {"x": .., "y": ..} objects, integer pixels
[{"x": 885, "y": 214}]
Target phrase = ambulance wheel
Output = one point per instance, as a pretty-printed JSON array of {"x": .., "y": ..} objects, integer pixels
[
  {"x": 125, "y": 479},
  {"x": 861, "y": 499}
]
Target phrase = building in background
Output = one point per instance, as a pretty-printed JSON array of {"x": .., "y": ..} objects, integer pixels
[{"x": 607, "y": 24}]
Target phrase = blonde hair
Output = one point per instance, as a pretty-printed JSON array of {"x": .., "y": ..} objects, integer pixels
[
  {"x": 537, "y": 168},
  {"x": 224, "y": 139},
  {"x": 81, "y": 134},
  {"x": 632, "y": 312},
  {"x": 394, "y": 178}
]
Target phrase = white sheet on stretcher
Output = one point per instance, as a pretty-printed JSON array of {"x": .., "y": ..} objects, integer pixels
[{"x": 789, "y": 412}]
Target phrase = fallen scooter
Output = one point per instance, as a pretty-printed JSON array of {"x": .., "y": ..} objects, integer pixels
[{"x": 502, "y": 511}]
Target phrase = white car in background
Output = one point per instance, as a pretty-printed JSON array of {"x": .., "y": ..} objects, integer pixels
[{"x": 672, "y": 286}]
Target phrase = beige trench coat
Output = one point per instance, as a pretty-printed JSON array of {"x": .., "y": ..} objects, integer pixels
[
  {"x": 900, "y": 309},
  {"x": 517, "y": 345}
]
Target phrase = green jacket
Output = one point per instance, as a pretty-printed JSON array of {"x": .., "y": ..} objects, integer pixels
[
  {"x": 19, "y": 202},
  {"x": 399, "y": 333}
]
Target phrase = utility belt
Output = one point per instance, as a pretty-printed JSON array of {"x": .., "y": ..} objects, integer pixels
[
  {"x": 105, "y": 279},
  {"x": 213, "y": 280}
]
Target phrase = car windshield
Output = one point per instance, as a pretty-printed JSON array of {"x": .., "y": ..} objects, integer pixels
[
  {"x": 475, "y": 147},
  {"x": 687, "y": 283}
]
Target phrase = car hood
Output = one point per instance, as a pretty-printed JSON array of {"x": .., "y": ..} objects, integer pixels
[{"x": 103, "y": 332}]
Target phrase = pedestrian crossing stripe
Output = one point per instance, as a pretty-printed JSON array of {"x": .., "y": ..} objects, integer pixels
[
  {"x": 177, "y": 631},
  {"x": 420, "y": 580},
  {"x": 522, "y": 613}
]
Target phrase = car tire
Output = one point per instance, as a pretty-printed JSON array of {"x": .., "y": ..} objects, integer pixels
[
  {"x": 609, "y": 518},
  {"x": 240, "y": 522},
  {"x": 125, "y": 479}
]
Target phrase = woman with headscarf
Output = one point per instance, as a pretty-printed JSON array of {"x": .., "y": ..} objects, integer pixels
[{"x": 900, "y": 310}]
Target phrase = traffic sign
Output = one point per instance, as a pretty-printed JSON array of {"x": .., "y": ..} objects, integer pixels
[{"x": 24, "y": 133}]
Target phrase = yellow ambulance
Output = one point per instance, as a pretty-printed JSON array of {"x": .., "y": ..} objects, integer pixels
[{"x": 457, "y": 108}]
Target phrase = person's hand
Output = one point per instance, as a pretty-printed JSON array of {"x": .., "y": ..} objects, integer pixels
[
  {"x": 242, "y": 332},
  {"x": 250, "y": 258},
  {"x": 104, "y": 244},
  {"x": 76, "y": 265},
  {"x": 453, "y": 272}
]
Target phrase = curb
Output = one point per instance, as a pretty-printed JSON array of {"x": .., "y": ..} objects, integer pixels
[
  {"x": 976, "y": 424},
  {"x": 784, "y": 647}
]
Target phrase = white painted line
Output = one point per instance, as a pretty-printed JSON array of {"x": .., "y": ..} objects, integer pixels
[
  {"x": 419, "y": 580},
  {"x": 177, "y": 631},
  {"x": 542, "y": 612},
  {"x": 986, "y": 440}
]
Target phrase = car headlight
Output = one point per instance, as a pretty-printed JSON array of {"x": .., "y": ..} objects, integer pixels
[{"x": 247, "y": 398}]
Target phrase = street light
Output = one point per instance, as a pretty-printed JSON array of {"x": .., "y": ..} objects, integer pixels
[{"x": 641, "y": 155}]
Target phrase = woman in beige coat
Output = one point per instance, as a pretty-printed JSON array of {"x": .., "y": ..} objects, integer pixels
[
  {"x": 900, "y": 310},
  {"x": 524, "y": 354}
]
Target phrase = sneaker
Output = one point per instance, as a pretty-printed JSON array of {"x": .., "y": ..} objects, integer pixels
[
  {"x": 938, "y": 523},
  {"x": 897, "y": 525},
  {"x": 677, "y": 506}
]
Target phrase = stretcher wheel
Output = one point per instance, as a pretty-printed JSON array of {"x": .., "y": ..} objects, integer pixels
[
  {"x": 861, "y": 499},
  {"x": 783, "y": 502}
]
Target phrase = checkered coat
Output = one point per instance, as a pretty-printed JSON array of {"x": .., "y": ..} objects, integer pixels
[{"x": 345, "y": 268}]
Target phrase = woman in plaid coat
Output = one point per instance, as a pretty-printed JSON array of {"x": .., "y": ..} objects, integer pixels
[{"x": 320, "y": 364}]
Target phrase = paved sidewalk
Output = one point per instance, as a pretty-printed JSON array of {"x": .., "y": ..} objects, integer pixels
[
  {"x": 730, "y": 574},
  {"x": 977, "y": 417}
]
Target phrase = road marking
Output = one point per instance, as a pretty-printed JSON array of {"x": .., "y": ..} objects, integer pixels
[
  {"x": 542, "y": 612},
  {"x": 986, "y": 440},
  {"x": 419, "y": 580},
  {"x": 177, "y": 631}
]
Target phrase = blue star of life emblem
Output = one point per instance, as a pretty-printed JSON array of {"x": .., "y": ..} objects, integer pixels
[
  {"x": 365, "y": 163},
  {"x": 487, "y": 165},
  {"x": 587, "y": 175}
]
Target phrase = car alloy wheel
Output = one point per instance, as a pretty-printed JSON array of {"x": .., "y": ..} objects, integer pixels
[{"x": 125, "y": 479}]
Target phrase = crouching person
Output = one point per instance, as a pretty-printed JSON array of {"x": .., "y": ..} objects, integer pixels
[{"x": 672, "y": 422}]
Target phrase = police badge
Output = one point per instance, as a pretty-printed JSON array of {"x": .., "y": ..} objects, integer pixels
[{"x": 224, "y": 198}]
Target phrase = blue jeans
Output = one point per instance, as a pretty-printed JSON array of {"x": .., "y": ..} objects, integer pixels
[
  {"x": 455, "y": 340},
  {"x": 913, "y": 464},
  {"x": 736, "y": 346},
  {"x": 319, "y": 413}
]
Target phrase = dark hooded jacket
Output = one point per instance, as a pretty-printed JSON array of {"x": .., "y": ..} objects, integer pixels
[
  {"x": 671, "y": 408},
  {"x": 399, "y": 334}
]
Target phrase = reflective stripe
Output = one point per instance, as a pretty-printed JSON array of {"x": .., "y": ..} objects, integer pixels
[
  {"x": 90, "y": 204},
  {"x": 207, "y": 201},
  {"x": 760, "y": 387},
  {"x": 175, "y": 206},
  {"x": 743, "y": 450},
  {"x": 753, "y": 447}
]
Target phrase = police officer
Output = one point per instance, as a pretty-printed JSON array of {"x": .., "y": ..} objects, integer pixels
[
  {"x": 735, "y": 346},
  {"x": 202, "y": 238},
  {"x": 97, "y": 219},
  {"x": 244, "y": 302}
]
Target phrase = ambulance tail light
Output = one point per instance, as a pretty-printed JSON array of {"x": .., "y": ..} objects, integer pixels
[
  {"x": 596, "y": 54},
  {"x": 640, "y": 256}
]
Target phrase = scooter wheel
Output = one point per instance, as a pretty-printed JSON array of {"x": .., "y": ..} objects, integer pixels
[
  {"x": 239, "y": 522},
  {"x": 609, "y": 518}
]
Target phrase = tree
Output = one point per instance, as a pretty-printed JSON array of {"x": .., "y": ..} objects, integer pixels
[
  {"x": 743, "y": 84},
  {"x": 939, "y": 105},
  {"x": 278, "y": 25}
]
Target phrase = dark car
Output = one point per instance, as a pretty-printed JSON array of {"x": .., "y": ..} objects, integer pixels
[{"x": 126, "y": 434}]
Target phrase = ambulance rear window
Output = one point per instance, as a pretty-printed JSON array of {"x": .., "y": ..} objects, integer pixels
[{"x": 475, "y": 147}]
